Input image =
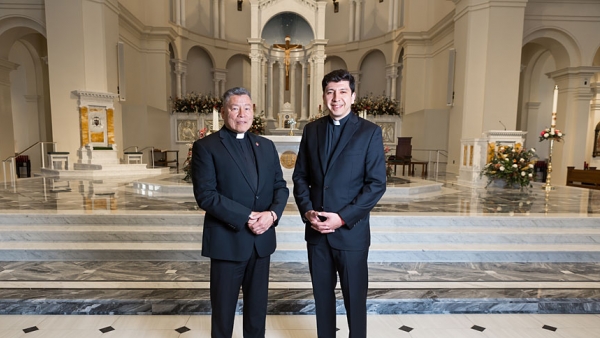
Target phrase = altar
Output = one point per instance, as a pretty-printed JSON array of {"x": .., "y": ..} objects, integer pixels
[{"x": 287, "y": 149}]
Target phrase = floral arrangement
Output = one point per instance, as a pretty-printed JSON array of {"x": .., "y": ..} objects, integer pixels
[
  {"x": 551, "y": 133},
  {"x": 381, "y": 105},
  {"x": 513, "y": 165},
  {"x": 258, "y": 124},
  {"x": 196, "y": 103},
  {"x": 187, "y": 164}
]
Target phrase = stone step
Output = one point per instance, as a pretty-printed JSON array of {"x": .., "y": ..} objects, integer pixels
[
  {"x": 296, "y": 301},
  {"x": 292, "y": 220},
  {"x": 379, "y": 234},
  {"x": 296, "y": 252}
]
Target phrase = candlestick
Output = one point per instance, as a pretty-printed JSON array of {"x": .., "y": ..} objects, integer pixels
[
  {"x": 547, "y": 186},
  {"x": 215, "y": 119}
]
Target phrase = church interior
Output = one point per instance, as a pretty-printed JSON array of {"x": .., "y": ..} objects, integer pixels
[{"x": 100, "y": 100}]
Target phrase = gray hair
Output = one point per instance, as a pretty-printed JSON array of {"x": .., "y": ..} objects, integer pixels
[{"x": 234, "y": 92}]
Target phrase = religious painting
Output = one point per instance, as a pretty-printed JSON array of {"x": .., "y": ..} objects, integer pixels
[
  {"x": 187, "y": 130},
  {"x": 96, "y": 125}
]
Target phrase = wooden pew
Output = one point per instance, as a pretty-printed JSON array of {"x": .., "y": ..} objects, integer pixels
[{"x": 583, "y": 178}]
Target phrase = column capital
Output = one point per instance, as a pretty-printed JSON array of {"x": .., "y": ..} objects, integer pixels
[
  {"x": 391, "y": 71},
  {"x": 179, "y": 65},
  {"x": 219, "y": 74},
  {"x": 575, "y": 79},
  {"x": 8, "y": 65}
]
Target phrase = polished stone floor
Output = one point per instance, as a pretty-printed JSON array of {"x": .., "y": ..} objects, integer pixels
[{"x": 39, "y": 195}]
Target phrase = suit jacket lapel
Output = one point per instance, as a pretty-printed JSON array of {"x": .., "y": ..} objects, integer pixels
[
  {"x": 235, "y": 154},
  {"x": 259, "y": 157},
  {"x": 322, "y": 142},
  {"x": 349, "y": 130}
]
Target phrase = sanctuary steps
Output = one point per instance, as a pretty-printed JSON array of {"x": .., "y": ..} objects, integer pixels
[
  {"x": 394, "y": 239},
  {"x": 145, "y": 263}
]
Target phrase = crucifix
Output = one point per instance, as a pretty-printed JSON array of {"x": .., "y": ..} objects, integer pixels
[{"x": 287, "y": 48}]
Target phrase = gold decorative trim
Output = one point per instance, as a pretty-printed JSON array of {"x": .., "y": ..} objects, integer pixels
[
  {"x": 85, "y": 128},
  {"x": 110, "y": 121}
]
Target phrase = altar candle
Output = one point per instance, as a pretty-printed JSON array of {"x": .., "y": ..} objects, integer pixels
[
  {"x": 554, "y": 107},
  {"x": 215, "y": 119},
  {"x": 554, "y": 103}
]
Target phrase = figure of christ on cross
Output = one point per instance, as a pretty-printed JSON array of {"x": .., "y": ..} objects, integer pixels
[{"x": 287, "y": 48}]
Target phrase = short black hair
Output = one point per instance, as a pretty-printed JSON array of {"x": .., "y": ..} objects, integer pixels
[
  {"x": 234, "y": 92},
  {"x": 337, "y": 76}
]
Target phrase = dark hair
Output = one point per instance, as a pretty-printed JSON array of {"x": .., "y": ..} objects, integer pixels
[
  {"x": 234, "y": 92},
  {"x": 337, "y": 76}
]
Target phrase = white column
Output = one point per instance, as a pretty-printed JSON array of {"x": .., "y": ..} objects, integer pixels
[
  {"x": 351, "y": 21},
  {"x": 179, "y": 69},
  {"x": 358, "y": 20},
  {"x": 222, "y": 19},
  {"x": 256, "y": 73},
  {"x": 303, "y": 112},
  {"x": 270, "y": 89},
  {"x": 293, "y": 84},
  {"x": 317, "y": 74},
  {"x": 177, "y": 11},
  {"x": 281, "y": 90},
  {"x": 393, "y": 15},
  {"x": 215, "y": 18},
  {"x": 391, "y": 76},
  {"x": 215, "y": 85},
  {"x": 356, "y": 82},
  {"x": 182, "y": 13},
  {"x": 262, "y": 84},
  {"x": 311, "y": 99}
]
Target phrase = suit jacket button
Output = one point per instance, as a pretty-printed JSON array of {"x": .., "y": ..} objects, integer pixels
[
  {"x": 256, "y": 197},
  {"x": 326, "y": 187}
]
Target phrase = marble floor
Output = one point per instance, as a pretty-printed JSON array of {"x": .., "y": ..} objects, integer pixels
[
  {"x": 406, "y": 299},
  {"x": 380, "y": 326}
]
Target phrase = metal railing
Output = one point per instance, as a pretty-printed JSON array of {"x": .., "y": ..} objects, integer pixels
[
  {"x": 151, "y": 153},
  {"x": 11, "y": 159},
  {"x": 134, "y": 147},
  {"x": 435, "y": 157}
]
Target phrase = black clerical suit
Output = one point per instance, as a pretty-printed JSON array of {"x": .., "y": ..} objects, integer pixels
[
  {"x": 348, "y": 180},
  {"x": 229, "y": 189}
]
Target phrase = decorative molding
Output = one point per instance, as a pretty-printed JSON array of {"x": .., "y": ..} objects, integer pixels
[
  {"x": 87, "y": 98},
  {"x": 504, "y": 133}
]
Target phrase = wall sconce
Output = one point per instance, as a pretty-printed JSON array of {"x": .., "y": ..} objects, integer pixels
[
  {"x": 336, "y": 6},
  {"x": 240, "y": 4}
]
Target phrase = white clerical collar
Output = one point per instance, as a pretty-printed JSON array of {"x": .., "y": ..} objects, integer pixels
[
  {"x": 336, "y": 122},
  {"x": 240, "y": 136}
]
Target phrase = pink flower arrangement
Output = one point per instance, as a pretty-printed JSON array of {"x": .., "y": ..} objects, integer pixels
[{"x": 551, "y": 133}]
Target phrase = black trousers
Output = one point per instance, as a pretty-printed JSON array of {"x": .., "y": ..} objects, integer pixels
[
  {"x": 226, "y": 278},
  {"x": 325, "y": 263}
]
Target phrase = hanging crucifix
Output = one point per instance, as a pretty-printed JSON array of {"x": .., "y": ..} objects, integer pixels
[{"x": 287, "y": 48}]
